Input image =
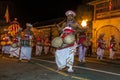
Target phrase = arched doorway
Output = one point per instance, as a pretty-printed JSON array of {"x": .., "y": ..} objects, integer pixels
[{"x": 109, "y": 30}]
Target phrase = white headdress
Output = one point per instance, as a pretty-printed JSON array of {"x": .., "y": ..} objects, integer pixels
[
  {"x": 29, "y": 25},
  {"x": 70, "y": 12}
]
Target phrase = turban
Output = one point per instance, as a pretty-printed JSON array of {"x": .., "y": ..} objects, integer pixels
[
  {"x": 29, "y": 25},
  {"x": 70, "y": 12}
]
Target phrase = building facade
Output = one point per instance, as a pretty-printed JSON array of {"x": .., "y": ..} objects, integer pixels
[{"x": 106, "y": 20}]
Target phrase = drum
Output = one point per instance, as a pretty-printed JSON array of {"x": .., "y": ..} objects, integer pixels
[
  {"x": 69, "y": 39},
  {"x": 32, "y": 44},
  {"x": 14, "y": 45},
  {"x": 86, "y": 43},
  {"x": 103, "y": 46},
  {"x": 57, "y": 42},
  {"x": 114, "y": 48}
]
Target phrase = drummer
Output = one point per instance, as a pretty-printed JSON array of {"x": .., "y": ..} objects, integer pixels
[
  {"x": 65, "y": 54},
  {"x": 39, "y": 44},
  {"x": 112, "y": 47},
  {"x": 101, "y": 46},
  {"x": 5, "y": 42},
  {"x": 83, "y": 43},
  {"x": 46, "y": 45},
  {"x": 15, "y": 47},
  {"x": 26, "y": 49}
]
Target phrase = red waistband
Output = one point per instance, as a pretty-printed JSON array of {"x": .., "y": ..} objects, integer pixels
[{"x": 70, "y": 45}]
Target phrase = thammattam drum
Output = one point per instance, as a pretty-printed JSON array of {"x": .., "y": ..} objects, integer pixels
[
  {"x": 57, "y": 42},
  {"x": 69, "y": 39}
]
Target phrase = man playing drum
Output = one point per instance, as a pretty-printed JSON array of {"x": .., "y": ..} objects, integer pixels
[
  {"x": 26, "y": 49},
  {"x": 83, "y": 43},
  {"x": 15, "y": 46},
  {"x": 101, "y": 46},
  {"x": 46, "y": 45},
  {"x": 67, "y": 44},
  {"x": 112, "y": 47},
  {"x": 39, "y": 44}
]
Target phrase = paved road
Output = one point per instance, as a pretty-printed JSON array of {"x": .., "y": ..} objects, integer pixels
[{"x": 44, "y": 68}]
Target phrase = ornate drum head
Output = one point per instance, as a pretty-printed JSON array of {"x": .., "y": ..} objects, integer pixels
[
  {"x": 14, "y": 45},
  {"x": 69, "y": 39},
  {"x": 86, "y": 43},
  {"x": 57, "y": 42}
]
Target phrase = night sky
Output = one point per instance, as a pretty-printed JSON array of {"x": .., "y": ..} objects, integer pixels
[{"x": 40, "y": 10}]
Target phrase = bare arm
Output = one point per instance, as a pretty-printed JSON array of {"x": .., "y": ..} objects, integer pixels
[{"x": 60, "y": 28}]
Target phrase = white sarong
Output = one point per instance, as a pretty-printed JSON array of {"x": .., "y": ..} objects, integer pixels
[
  {"x": 6, "y": 49},
  {"x": 46, "y": 49},
  {"x": 65, "y": 57},
  {"x": 25, "y": 53},
  {"x": 82, "y": 51},
  {"x": 39, "y": 50},
  {"x": 14, "y": 52}
]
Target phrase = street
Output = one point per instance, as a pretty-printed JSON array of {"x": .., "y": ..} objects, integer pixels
[{"x": 44, "y": 68}]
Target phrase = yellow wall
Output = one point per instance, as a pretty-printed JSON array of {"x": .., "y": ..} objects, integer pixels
[{"x": 109, "y": 27}]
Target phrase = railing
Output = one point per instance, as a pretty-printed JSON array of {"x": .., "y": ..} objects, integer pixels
[{"x": 108, "y": 14}]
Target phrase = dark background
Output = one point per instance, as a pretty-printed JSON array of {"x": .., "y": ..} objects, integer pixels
[{"x": 38, "y": 10}]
